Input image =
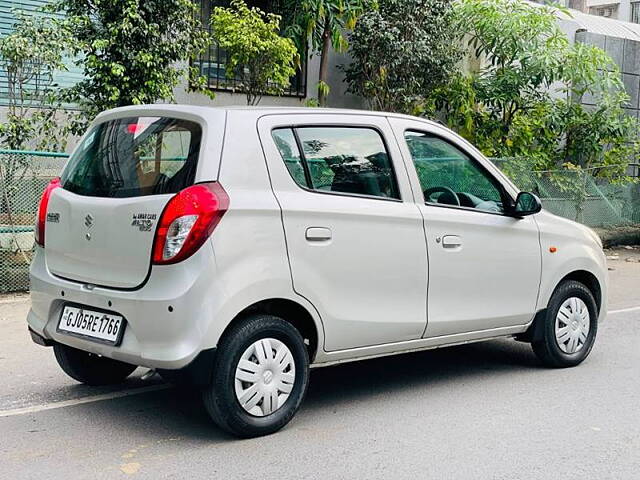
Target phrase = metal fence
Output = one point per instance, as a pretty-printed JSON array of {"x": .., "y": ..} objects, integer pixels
[
  {"x": 577, "y": 195},
  {"x": 23, "y": 177}
]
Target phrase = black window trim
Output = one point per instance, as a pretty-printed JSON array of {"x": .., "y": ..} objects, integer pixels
[
  {"x": 303, "y": 160},
  {"x": 507, "y": 200}
]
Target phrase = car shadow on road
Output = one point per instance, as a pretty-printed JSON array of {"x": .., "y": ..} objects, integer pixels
[
  {"x": 178, "y": 412},
  {"x": 429, "y": 368}
]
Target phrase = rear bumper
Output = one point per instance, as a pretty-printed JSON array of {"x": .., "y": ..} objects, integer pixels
[{"x": 154, "y": 336}]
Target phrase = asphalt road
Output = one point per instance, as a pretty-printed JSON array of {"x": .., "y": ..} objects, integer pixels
[{"x": 482, "y": 411}]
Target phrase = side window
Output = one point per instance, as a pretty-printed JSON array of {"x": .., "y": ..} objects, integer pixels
[
  {"x": 338, "y": 159},
  {"x": 286, "y": 143},
  {"x": 448, "y": 176}
]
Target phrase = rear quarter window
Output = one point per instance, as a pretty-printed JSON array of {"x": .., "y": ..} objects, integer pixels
[{"x": 135, "y": 156}]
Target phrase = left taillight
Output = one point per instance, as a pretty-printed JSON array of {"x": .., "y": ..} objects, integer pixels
[
  {"x": 187, "y": 221},
  {"x": 41, "y": 216}
]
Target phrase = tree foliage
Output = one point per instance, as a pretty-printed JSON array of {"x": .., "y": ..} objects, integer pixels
[
  {"x": 256, "y": 52},
  {"x": 131, "y": 51},
  {"x": 31, "y": 55},
  {"x": 322, "y": 24},
  {"x": 401, "y": 52},
  {"x": 526, "y": 98}
]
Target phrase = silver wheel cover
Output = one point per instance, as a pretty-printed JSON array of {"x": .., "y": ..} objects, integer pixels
[
  {"x": 265, "y": 376},
  {"x": 572, "y": 325}
]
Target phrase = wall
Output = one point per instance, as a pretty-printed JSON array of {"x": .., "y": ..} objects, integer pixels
[
  {"x": 626, "y": 54},
  {"x": 338, "y": 97}
]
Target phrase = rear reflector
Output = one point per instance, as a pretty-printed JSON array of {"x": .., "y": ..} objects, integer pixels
[
  {"x": 41, "y": 216},
  {"x": 187, "y": 222}
]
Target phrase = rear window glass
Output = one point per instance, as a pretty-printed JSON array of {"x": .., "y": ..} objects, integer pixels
[{"x": 134, "y": 156}]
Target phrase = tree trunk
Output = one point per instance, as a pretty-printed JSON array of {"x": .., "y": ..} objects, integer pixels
[{"x": 324, "y": 65}]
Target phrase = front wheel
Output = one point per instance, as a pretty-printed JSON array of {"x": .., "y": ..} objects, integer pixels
[
  {"x": 569, "y": 326},
  {"x": 91, "y": 369},
  {"x": 260, "y": 377}
]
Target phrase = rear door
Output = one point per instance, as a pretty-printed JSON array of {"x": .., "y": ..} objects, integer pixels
[
  {"x": 354, "y": 234},
  {"x": 101, "y": 223}
]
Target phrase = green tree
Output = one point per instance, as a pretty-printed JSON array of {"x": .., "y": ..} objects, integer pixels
[
  {"x": 524, "y": 100},
  {"x": 322, "y": 25},
  {"x": 401, "y": 52},
  {"x": 264, "y": 61},
  {"x": 131, "y": 51},
  {"x": 31, "y": 56}
]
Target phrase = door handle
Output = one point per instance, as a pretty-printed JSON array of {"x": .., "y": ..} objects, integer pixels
[
  {"x": 451, "y": 241},
  {"x": 318, "y": 234}
]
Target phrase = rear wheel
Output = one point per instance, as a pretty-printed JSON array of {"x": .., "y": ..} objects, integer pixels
[
  {"x": 89, "y": 368},
  {"x": 260, "y": 377},
  {"x": 569, "y": 326}
]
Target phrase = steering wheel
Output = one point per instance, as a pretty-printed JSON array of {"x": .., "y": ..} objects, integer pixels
[{"x": 447, "y": 196}]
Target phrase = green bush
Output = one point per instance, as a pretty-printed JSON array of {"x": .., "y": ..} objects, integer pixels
[
  {"x": 256, "y": 52},
  {"x": 31, "y": 55},
  {"x": 131, "y": 51},
  {"x": 400, "y": 53}
]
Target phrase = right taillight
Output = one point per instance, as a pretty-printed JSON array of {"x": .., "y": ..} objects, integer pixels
[
  {"x": 187, "y": 221},
  {"x": 41, "y": 216}
]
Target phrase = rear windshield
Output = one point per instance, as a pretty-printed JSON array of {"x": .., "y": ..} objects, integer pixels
[{"x": 134, "y": 156}]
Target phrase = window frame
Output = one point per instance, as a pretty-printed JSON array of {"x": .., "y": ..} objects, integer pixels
[
  {"x": 507, "y": 199},
  {"x": 305, "y": 166}
]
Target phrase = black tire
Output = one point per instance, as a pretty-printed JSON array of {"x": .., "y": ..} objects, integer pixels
[
  {"x": 91, "y": 369},
  {"x": 546, "y": 346},
  {"x": 220, "y": 398}
]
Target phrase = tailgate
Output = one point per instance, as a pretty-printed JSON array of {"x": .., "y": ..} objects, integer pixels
[
  {"x": 102, "y": 241},
  {"x": 100, "y": 225}
]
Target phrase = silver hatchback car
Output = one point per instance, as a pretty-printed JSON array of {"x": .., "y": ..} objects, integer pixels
[{"x": 236, "y": 248}]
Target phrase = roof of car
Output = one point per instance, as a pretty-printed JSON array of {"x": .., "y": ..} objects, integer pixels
[{"x": 259, "y": 110}]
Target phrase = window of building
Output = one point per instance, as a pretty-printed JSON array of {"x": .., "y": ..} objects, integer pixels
[
  {"x": 607, "y": 11},
  {"x": 635, "y": 12},
  {"x": 211, "y": 63},
  {"x": 350, "y": 160}
]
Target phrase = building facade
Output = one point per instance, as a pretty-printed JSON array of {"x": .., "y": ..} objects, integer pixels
[{"x": 211, "y": 65}]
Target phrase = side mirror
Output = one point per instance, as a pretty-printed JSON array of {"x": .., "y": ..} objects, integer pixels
[{"x": 527, "y": 203}]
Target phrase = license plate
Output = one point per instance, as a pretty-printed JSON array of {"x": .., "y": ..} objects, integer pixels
[{"x": 99, "y": 326}]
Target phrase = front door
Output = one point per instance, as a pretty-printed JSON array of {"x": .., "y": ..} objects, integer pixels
[
  {"x": 354, "y": 234},
  {"x": 484, "y": 266}
]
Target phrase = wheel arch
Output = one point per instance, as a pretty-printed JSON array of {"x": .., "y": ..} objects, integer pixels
[
  {"x": 589, "y": 280},
  {"x": 289, "y": 310},
  {"x": 590, "y": 270}
]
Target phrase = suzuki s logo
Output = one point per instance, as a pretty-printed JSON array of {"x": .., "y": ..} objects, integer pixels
[{"x": 88, "y": 220}]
